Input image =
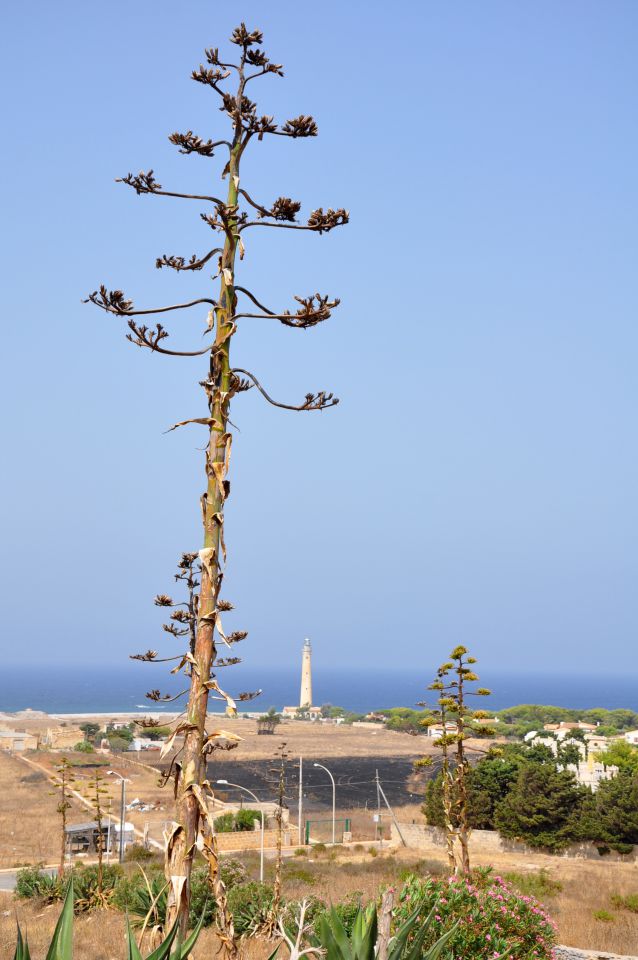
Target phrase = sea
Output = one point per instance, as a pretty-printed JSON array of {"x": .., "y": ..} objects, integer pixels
[{"x": 113, "y": 688}]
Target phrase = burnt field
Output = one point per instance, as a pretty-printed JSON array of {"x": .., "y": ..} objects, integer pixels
[{"x": 354, "y": 778}]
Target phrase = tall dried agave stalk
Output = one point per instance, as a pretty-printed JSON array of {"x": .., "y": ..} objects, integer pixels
[
  {"x": 452, "y": 707},
  {"x": 96, "y": 794},
  {"x": 280, "y": 771},
  {"x": 63, "y": 783},
  {"x": 183, "y": 623},
  {"x": 221, "y": 383}
]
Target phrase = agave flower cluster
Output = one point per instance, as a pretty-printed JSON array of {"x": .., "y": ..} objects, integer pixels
[{"x": 493, "y": 919}]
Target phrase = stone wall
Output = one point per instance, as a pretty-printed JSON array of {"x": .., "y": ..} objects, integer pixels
[
  {"x": 575, "y": 953},
  {"x": 250, "y": 840},
  {"x": 425, "y": 838}
]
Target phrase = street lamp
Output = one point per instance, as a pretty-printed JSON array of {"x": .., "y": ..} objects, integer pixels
[
  {"x": 225, "y": 783},
  {"x": 334, "y": 798},
  {"x": 124, "y": 781}
]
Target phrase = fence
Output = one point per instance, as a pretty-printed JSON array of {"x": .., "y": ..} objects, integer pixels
[{"x": 320, "y": 831}]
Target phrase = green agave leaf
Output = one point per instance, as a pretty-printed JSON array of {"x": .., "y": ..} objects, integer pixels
[
  {"x": 183, "y": 951},
  {"x": 61, "y": 947},
  {"x": 366, "y": 934},
  {"x": 398, "y": 944},
  {"x": 333, "y": 937},
  {"x": 133, "y": 952},
  {"x": 435, "y": 951},
  {"x": 22, "y": 947},
  {"x": 164, "y": 949}
]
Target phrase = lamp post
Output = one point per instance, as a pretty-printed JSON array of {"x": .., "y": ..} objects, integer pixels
[
  {"x": 334, "y": 798},
  {"x": 124, "y": 781},
  {"x": 237, "y": 786}
]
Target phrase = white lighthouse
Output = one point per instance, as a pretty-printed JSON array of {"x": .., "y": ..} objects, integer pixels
[{"x": 305, "y": 697}]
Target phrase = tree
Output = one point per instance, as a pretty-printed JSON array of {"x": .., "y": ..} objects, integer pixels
[
  {"x": 488, "y": 783},
  {"x": 453, "y": 708},
  {"x": 620, "y": 754},
  {"x": 123, "y": 733},
  {"x": 542, "y": 808},
  {"x": 228, "y": 218},
  {"x": 612, "y": 816},
  {"x": 268, "y": 722},
  {"x": 157, "y": 733},
  {"x": 90, "y": 730}
]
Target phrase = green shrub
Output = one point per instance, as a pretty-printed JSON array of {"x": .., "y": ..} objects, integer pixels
[
  {"x": 250, "y": 904},
  {"x": 138, "y": 853},
  {"x": 34, "y": 882},
  {"x": 373, "y": 851},
  {"x": 85, "y": 885},
  {"x": 630, "y": 902},
  {"x": 301, "y": 852},
  {"x": 604, "y": 916},
  {"x": 538, "y": 885},
  {"x": 299, "y": 873},
  {"x": 225, "y": 823},
  {"x": 245, "y": 819},
  {"x": 493, "y": 919},
  {"x": 84, "y": 747},
  {"x": 232, "y": 872},
  {"x": 621, "y": 847},
  {"x": 319, "y": 848}
]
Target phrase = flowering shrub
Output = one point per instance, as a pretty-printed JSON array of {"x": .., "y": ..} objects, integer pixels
[{"x": 494, "y": 920}]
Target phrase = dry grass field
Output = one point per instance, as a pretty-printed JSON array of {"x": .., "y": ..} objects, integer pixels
[
  {"x": 585, "y": 889},
  {"x": 29, "y": 825}
]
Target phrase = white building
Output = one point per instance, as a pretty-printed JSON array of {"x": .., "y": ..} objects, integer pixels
[
  {"x": 631, "y": 736},
  {"x": 436, "y": 730},
  {"x": 588, "y": 771}
]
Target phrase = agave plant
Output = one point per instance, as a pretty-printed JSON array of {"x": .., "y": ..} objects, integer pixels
[
  {"x": 61, "y": 946},
  {"x": 407, "y": 944},
  {"x": 331, "y": 940}
]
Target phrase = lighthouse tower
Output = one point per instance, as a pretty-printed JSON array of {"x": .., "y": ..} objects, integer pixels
[{"x": 305, "y": 697}]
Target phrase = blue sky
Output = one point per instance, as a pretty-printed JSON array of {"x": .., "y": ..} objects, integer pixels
[{"x": 478, "y": 481}]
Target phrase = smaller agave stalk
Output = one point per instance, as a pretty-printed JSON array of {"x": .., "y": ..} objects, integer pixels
[{"x": 63, "y": 783}]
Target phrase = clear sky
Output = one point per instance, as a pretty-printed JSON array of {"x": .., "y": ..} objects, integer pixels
[{"x": 478, "y": 481}]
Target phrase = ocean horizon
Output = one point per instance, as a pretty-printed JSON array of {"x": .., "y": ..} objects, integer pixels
[{"x": 121, "y": 689}]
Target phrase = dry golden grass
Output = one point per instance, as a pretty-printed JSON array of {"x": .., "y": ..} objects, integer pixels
[
  {"x": 586, "y": 888},
  {"x": 98, "y": 936},
  {"x": 29, "y": 824}
]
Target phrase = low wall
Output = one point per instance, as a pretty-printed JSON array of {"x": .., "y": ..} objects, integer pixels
[
  {"x": 424, "y": 838},
  {"x": 250, "y": 840},
  {"x": 575, "y": 953}
]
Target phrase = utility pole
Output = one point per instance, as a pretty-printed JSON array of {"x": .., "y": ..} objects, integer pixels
[
  {"x": 394, "y": 819},
  {"x": 300, "y": 804},
  {"x": 123, "y": 781},
  {"x": 378, "y": 820}
]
